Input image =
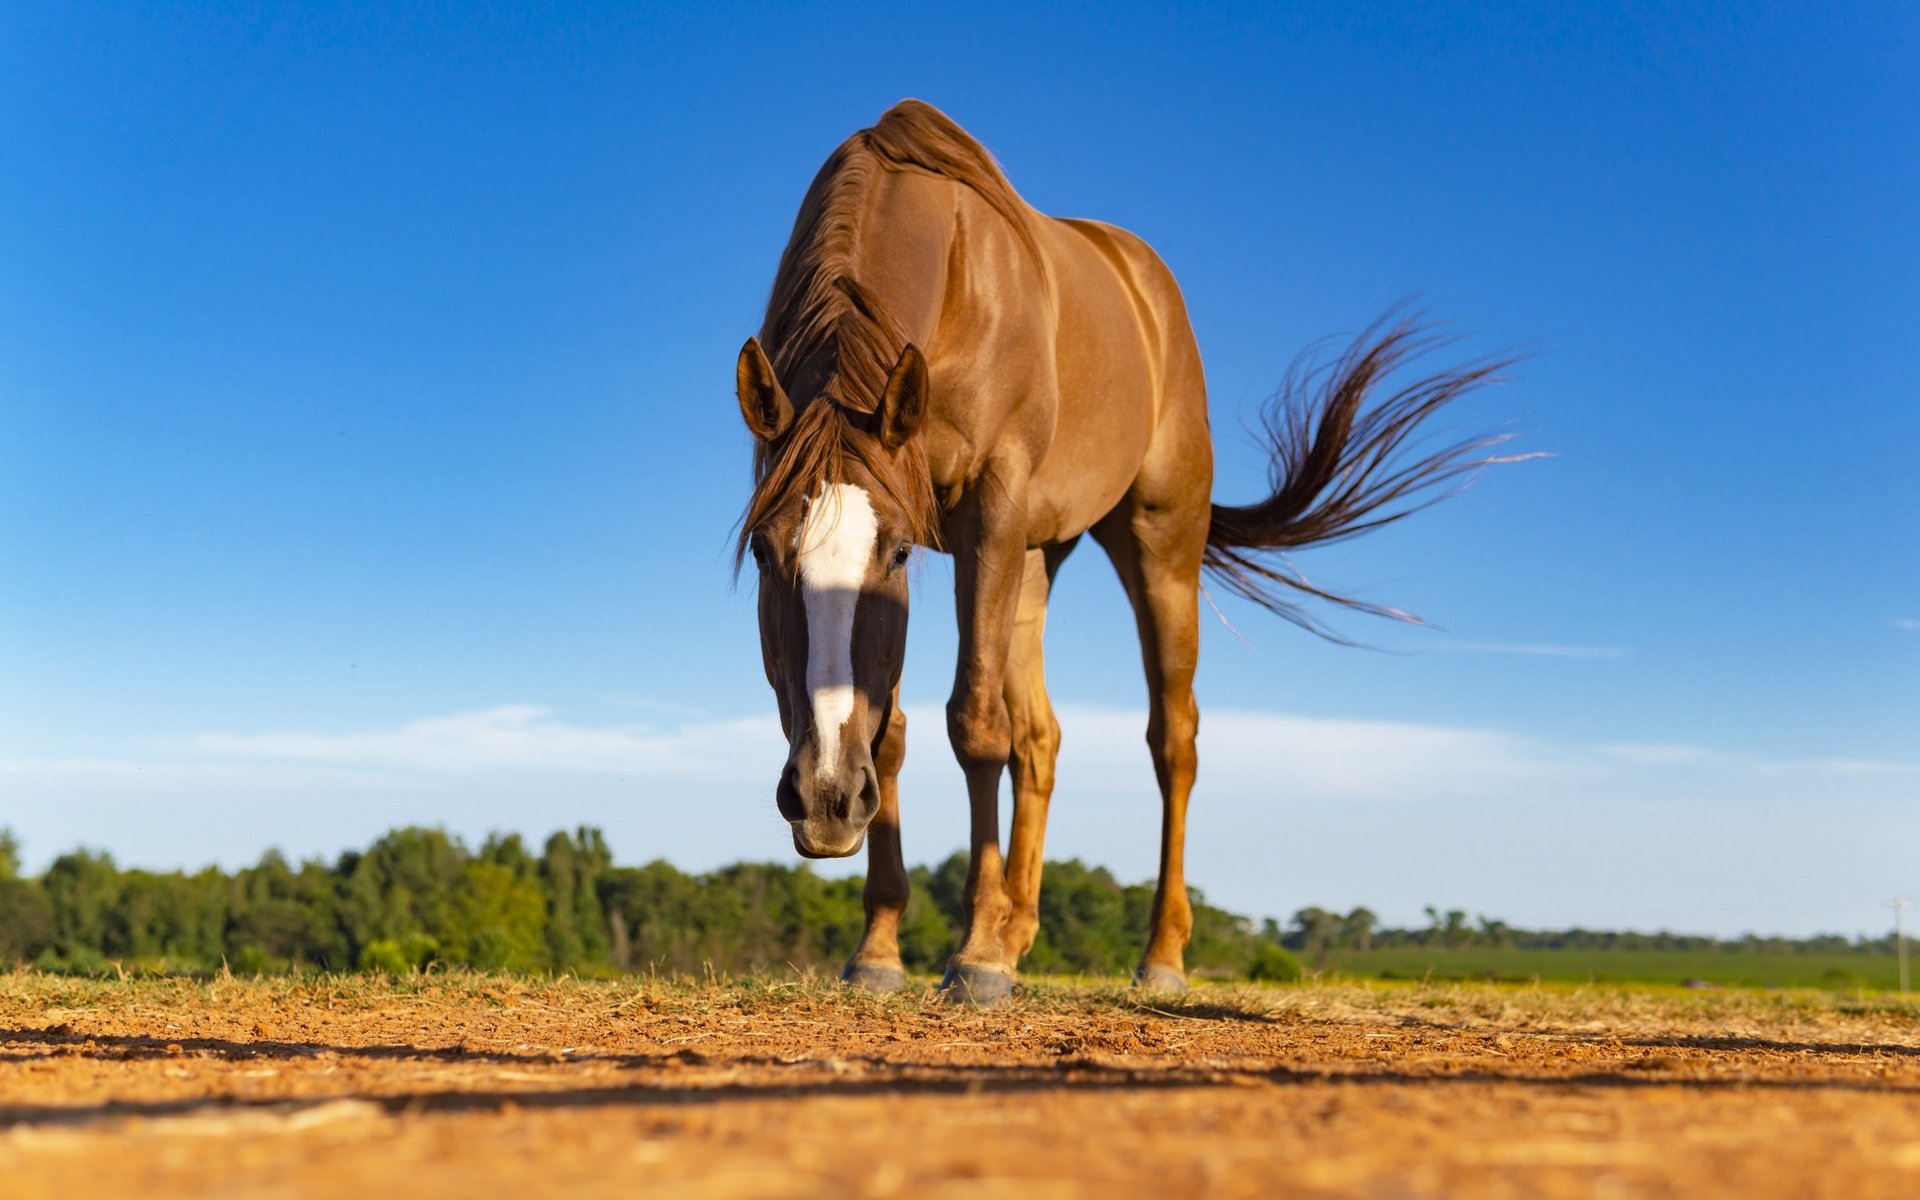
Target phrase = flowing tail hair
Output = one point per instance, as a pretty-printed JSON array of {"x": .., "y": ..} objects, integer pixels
[{"x": 1337, "y": 465}]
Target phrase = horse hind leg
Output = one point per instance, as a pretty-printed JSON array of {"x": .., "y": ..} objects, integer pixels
[
  {"x": 876, "y": 965},
  {"x": 1036, "y": 746},
  {"x": 1157, "y": 551}
]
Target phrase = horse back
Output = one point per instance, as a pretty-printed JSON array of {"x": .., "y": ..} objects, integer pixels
[
  {"x": 1059, "y": 351},
  {"x": 1126, "y": 371}
]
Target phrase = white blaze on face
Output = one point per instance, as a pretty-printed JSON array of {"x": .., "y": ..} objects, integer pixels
[{"x": 834, "y": 548}]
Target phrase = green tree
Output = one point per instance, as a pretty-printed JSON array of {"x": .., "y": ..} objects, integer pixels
[
  {"x": 1356, "y": 928},
  {"x": 1317, "y": 927},
  {"x": 946, "y": 886},
  {"x": 499, "y": 920},
  {"x": 9, "y": 853},
  {"x": 167, "y": 918},
  {"x": 657, "y": 906},
  {"x": 401, "y": 890},
  {"x": 1272, "y": 964},
  {"x": 26, "y": 914},
  {"x": 25, "y": 920},
  {"x": 1089, "y": 924},
  {"x": 927, "y": 933},
  {"x": 84, "y": 890},
  {"x": 277, "y": 916},
  {"x": 570, "y": 869}
]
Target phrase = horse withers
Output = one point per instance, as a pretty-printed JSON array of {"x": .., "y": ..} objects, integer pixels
[{"x": 943, "y": 366}]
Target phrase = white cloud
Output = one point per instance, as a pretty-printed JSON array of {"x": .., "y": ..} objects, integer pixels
[
  {"x": 1245, "y": 752},
  {"x": 1263, "y": 753},
  {"x": 1657, "y": 754},
  {"x": 520, "y": 738},
  {"x": 1910, "y": 624}
]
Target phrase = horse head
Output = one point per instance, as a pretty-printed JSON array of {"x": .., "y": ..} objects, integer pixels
[{"x": 831, "y": 527}]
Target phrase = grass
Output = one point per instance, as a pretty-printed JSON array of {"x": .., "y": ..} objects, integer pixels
[
  {"x": 1726, "y": 968},
  {"x": 24, "y": 990}
]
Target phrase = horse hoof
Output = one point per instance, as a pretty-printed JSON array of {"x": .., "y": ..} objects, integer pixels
[
  {"x": 874, "y": 977},
  {"x": 982, "y": 987},
  {"x": 1152, "y": 977}
]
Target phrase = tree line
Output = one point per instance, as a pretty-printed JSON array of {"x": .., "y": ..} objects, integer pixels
[
  {"x": 418, "y": 897},
  {"x": 1316, "y": 932}
]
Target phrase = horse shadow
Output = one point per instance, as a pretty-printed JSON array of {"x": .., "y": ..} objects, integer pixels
[{"x": 666, "y": 1088}]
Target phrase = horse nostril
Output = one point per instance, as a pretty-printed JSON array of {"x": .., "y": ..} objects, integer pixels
[
  {"x": 786, "y": 797},
  {"x": 868, "y": 800}
]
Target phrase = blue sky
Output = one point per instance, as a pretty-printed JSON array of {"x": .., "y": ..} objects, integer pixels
[{"x": 370, "y": 453}]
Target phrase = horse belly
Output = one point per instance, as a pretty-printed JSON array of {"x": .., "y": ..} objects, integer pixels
[{"x": 1101, "y": 433}]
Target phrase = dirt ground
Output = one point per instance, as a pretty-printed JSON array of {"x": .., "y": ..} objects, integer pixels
[{"x": 472, "y": 1085}]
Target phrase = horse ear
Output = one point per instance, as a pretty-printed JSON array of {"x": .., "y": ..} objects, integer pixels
[
  {"x": 905, "y": 400},
  {"x": 763, "y": 402}
]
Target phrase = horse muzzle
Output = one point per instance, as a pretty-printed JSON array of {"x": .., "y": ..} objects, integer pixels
[
  {"x": 829, "y": 815},
  {"x": 842, "y": 841}
]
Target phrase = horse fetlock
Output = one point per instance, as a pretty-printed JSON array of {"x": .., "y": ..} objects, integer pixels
[
  {"x": 885, "y": 897},
  {"x": 881, "y": 942},
  {"x": 1018, "y": 932},
  {"x": 988, "y": 914}
]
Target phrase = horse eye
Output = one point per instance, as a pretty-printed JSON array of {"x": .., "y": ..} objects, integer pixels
[
  {"x": 759, "y": 551},
  {"x": 901, "y": 553}
]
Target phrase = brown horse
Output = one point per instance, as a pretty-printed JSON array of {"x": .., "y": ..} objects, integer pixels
[{"x": 943, "y": 366}]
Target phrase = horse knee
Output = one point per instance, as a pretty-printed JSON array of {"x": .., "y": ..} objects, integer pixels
[
  {"x": 980, "y": 730},
  {"x": 1171, "y": 734},
  {"x": 1045, "y": 735},
  {"x": 1036, "y": 746}
]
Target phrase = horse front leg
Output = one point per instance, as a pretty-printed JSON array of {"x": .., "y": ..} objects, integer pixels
[
  {"x": 876, "y": 965},
  {"x": 989, "y": 561}
]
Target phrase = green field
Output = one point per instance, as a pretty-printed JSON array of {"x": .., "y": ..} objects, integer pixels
[{"x": 1738, "y": 968}]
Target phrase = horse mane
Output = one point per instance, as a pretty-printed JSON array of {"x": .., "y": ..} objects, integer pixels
[{"x": 831, "y": 340}]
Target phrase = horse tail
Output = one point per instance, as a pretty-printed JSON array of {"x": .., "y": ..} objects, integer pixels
[{"x": 1339, "y": 466}]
